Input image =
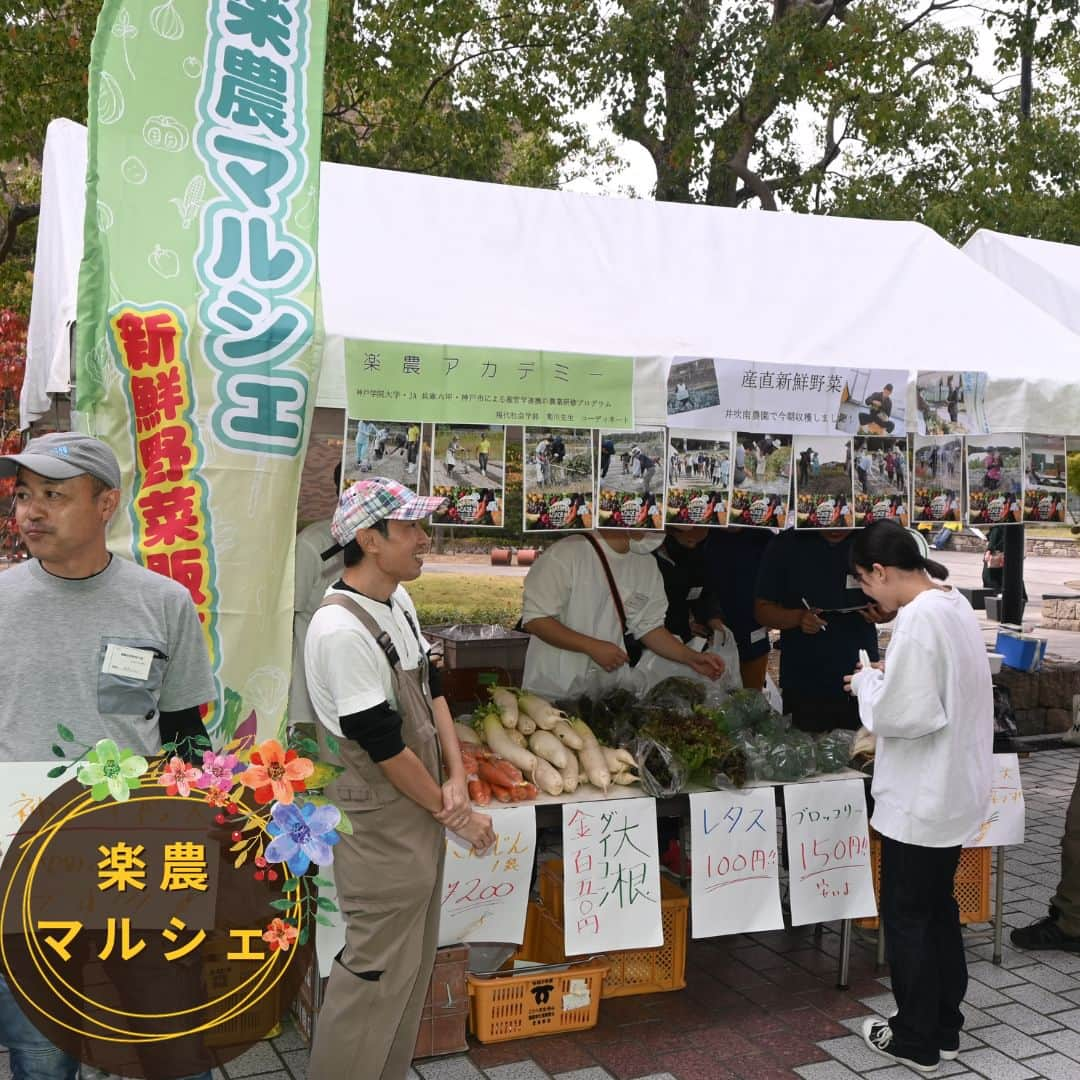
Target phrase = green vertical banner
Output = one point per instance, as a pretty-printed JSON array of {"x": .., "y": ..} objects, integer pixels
[{"x": 198, "y": 337}]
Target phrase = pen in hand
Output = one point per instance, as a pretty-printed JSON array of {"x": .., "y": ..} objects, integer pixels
[{"x": 806, "y": 604}]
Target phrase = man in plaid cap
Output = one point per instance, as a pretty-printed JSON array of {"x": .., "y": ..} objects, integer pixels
[{"x": 382, "y": 717}]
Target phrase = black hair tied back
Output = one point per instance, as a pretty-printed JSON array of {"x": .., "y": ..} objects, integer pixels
[{"x": 887, "y": 543}]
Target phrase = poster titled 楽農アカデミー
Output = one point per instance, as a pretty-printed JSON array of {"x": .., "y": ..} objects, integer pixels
[{"x": 198, "y": 334}]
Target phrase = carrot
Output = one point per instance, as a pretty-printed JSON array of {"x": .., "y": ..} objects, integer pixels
[
  {"x": 494, "y": 774},
  {"x": 531, "y": 790},
  {"x": 518, "y": 793},
  {"x": 480, "y": 792},
  {"x": 501, "y": 793}
]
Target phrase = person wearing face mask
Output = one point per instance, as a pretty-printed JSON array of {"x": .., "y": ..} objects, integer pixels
[{"x": 581, "y": 640}]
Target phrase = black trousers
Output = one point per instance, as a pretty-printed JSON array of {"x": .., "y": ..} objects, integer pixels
[
  {"x": 923, "y": 943},
  {"x": 814, "y": 713}
]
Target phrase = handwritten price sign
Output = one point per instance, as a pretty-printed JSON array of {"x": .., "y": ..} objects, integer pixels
[
  {"x": 828, "y": 848},
  {"x": 1005, "y": 817},
  {"x": 611, "y": 876},
  {"x": 485, "y": 896},
  {"x": 734, "y": 883}
]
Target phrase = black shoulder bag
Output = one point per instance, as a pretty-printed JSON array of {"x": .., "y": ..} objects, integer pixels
[{"x": 631, "y": 645}]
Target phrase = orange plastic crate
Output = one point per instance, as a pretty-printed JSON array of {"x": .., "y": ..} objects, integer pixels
[
  {"x": 971, "y": 887},
  {"x": 530, "y": 1003},
  {"x": 632, "y": 971}
]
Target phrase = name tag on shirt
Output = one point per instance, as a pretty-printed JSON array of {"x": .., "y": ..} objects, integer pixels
[
  {"x": 852, "y": 582},
  {"x": 760, "y": 634},
  {"x": 127, "y": 661},
  {"x": 694, "y": 593}
]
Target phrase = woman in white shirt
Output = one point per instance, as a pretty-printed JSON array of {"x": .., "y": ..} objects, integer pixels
[{"x": 932, "y": 711}]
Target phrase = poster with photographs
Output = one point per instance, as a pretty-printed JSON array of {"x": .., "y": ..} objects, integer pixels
[
  {"x": 823, "y": 486},
  {"x": 995, "y": 479},
  {"x": 760, "y": 480},
  {"x": 692, "y": 385},
  {"x": 630, "y": 487},
  {"x": 873, "y": 402},
  {"x": 558, "y": 478},
  {"x": 1045, "y": 479},
  {"x": 938, "y": 479},
  {"x": 951, "y": 402},
  {"x": 881, "y": 468},
  {"x": 1072, "y": 472},
  {"x": 698, "y": 478},
  {"x": 385, "y": 448},
  {"x": 468, "y": 468}
]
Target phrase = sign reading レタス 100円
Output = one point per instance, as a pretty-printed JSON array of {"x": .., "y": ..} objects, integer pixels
[{"x": 408, "y": 381}]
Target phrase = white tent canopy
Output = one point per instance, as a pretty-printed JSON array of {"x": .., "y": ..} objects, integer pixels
[
  {"x": 423, "y": 259},
  {"x": 1048, "y": 274}
]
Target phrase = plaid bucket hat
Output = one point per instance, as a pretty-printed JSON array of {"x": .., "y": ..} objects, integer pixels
[{"x": 367, "y": 502}]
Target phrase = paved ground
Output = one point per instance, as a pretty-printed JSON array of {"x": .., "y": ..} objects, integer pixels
[{"x": 764, "y": 1006}]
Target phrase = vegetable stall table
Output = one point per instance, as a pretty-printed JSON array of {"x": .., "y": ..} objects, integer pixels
[{"x": 549, "y": 815}]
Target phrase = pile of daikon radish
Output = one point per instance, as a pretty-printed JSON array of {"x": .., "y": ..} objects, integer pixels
[{"x": 520, "y": 745}]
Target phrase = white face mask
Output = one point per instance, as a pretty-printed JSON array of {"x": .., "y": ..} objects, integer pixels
[{"x": 646, "y": 545}]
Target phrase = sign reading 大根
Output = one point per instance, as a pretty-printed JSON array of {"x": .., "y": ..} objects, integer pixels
[
  {"x": 405, "y": 381},
  {"x": 611, "y": 876}
]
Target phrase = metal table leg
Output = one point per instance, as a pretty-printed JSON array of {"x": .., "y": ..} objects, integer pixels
[
  {"x": 999, "y": 901},
  {"x": 845, "y": 955}
]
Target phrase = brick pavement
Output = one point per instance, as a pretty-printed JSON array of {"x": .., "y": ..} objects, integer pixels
[{"x": 764, "y": 1006}]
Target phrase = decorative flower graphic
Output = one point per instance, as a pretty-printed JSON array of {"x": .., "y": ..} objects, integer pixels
[
  {"x": 279, "y": 935},
  {"x": 276, "y": 773},
  {"x": 302, "y": 835},
  {"x": 108, "y": 770},
  {"x": 177, "y": 777},
  {"x": 218, "y": 771}
]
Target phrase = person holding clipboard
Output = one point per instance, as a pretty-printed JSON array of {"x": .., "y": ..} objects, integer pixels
[{"x": 805, "y": 590}]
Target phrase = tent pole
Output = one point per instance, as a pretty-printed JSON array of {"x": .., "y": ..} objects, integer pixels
[{"x": 1012, "y": 585}]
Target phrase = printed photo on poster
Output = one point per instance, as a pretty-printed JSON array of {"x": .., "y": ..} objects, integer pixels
[
  {"x": 995, "y": 479},
  {"x": 384, "y": 448},
  {"x": 468, "y": 468},
  {"x": 692, "y": 384},
  {"x": 698, "y": 479},
  {"x": 559, "y": 478},
  {"x": 881, "y": 468},
  {"x": 951, "y": 402},
  {"x": 873, "y": 403},
  {"x": 761, "y": 480},
  {"x": 938, "y": 479},
  {"x": 823, "y": 485},
  {"x": 1045, "y": 479},
  {"x": 630, "y": 488},
  {"x": 1072, "y": 470}
]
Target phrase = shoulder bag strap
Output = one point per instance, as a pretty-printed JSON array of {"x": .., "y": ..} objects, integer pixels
[
  {"x": 382, "y": 638},
  {"x": 610, "y": 578}
]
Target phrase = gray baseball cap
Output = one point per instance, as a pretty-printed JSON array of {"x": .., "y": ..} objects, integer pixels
[{"x": 65, "y": 454}]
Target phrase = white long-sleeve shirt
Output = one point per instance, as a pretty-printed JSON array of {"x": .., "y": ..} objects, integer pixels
[{"x": 933, "y": 714}]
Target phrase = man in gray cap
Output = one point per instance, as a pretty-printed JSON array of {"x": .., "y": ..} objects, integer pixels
[{"x": 99, "y": 643}]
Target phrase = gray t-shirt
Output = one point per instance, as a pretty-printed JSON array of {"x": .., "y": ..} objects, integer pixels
[{"x": 55, "y": 633}]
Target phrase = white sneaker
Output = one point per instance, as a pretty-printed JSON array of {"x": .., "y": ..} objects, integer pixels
[{"x": 878, "y": 1036}]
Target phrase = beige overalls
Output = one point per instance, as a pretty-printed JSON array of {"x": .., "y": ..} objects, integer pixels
[{"x": 389, "y": 882}]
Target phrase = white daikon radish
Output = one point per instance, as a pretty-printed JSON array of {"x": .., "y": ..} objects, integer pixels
[
  {"x": 507, "y": 704},
  {"x": 466, "y": 735},
  {"x": 592, "y": 757},
  {"x": 498, "y": 739},
  {"x": 618, "y": 760},
  {"x": 525, "y": 723},
  {"x": 624, "y": 778},
  {"x": 518, "y": 737},
  {"x": 543, "y": 712},
  {"x": 570, "y": 773},
  {"x": 546, "y": 777},
  {"x": 545, "y": 745},
  {"x": 568, "y": 735}
]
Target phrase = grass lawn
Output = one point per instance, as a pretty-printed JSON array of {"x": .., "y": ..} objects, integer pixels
[{"x": 466, "y": 598}]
